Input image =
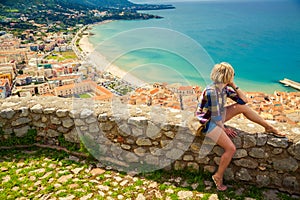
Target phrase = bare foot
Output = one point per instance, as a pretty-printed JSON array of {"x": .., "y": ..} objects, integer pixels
[{"x": 273, "y": 130}]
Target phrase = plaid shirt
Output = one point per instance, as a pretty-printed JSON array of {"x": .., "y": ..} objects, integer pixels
[{"x": 212, "y": 103}]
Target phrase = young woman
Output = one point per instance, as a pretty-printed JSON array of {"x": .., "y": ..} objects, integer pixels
[{"x": 212, "y": 112}]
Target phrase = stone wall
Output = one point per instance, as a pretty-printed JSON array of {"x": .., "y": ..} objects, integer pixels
[{"x": 136, "y": 139}]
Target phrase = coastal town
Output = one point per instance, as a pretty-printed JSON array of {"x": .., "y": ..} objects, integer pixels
[{"x": 40, "y": 62}]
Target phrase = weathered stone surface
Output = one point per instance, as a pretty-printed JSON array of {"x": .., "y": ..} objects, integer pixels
[
  {"x": 294, "y": 150},
  {"x": 94, "y": 128},
  {"x": 188, "y": 157},
  {"x": 55, "y": 120},
  {"x": 85, "y": 113},
  {"x": 209, "y": 168},
  {"x": 103, "y": 117},
  {"x": 67, "y": 122},
  {"x": 39, "y": 124},
  {"x": 237, "y": 141},
  {"x": 243, "y": 175},
  {"x": 263, "y": 180},
  {"x": 185, "y": 194},
  {"x": 174, "y": 154},
  {"x": 7, "y": 113},
  {"x": 153, "y": 132},
  {"x": 143, "y": 142},
  {"x": 278, "y": 142},
  {"x": 290, "y": 182},
  {"x": 252, "y": 164},
  {"x": 72, "y": 136},
  {"x": 178, "y": 165},
  {"x": 38, "y": 109},
  {"x": 286, "y": 164},
  {"x": 139, "y": 151},
  {"x": 261, "y": 139},
  {"x": 258, "y": 153},
  {"x": 229, "y": 175},
  {"x": 193, "y": 166},
  {"x": 277, "y": 151},
  {"x": 156, "y": 151},
  {"x": 49, "y": 111},
  {"x": 90, "y": 120},
  {"x": 249, "y": 141},
  {"x": 79, "y": 122},
  {"x": 106, "y": 126},
  {"x": 218, "y": 150},
  {"x": 24, "y": 111},
  {"x": 21, "y": 132},
  {"x": 240, "y": 153},
  {"x": 21, "y": 121},
  {"x": 52, "y": 133},
  {"x": 170, "y": 134},
  {"x": 137, "y": 131},
  {"x": 130, "y": 157},
  {"x": 124, "y": 130},
  {"x": 36, "y": 117},
  {"x": 62, "y": 113},
  {"x": 138, "y": 121},
  {"x": 152, "y": 160}
]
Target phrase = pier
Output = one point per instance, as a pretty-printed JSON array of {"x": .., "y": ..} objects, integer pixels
[{"x": 290, "y": 83}]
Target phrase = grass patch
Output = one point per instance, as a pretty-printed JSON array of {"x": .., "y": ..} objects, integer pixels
[
  {"x": 84, "y": 96},
  {"x": 61, "y": 56}
]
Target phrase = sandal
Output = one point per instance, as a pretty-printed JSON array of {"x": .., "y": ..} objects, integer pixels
[{"x": 219, "y": 184}]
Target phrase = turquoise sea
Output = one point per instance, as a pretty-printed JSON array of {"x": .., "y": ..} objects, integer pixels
[{"x": 261, "y": 39}]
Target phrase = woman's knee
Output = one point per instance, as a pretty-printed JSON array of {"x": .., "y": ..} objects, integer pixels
[{"x": 231, "y": 149}]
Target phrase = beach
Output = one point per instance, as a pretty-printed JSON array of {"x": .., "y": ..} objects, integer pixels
[{"x": 100, "y": 61}]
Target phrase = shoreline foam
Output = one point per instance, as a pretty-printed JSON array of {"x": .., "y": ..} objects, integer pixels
[{"x": 101, "y": 61}]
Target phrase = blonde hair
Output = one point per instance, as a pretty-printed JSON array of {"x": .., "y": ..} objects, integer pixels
[{"x": 222, "y": 73}]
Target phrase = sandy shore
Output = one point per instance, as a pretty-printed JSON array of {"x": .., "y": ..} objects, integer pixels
[{"x": 103, "y": 64}]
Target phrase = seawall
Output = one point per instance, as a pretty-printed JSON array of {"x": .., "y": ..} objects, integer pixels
[{"x": 142, "y": 138}]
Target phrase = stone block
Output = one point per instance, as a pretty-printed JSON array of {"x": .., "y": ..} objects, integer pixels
[
  {"x": 174, "y": 154},
  {"x": 79, "y": 122},
  {"x": 21, "y": 121},
  {"x": 193, "y": 166},
  {"x": 131, "y": 157},
  {"x": 55, "y": 120},
  {"x": 261, "y": 139},
  {"x": 52, "y": 133},
  {"x": 237, "y": 141},
  {"x": 179, "y": 165},
  {"x": 258, "y": 153},
  {"x": 7, "y": 113},
  {"x": 39, "y": 124},
  {"x": 103, "y": 117},
  {"x": 62, "y": 113},
  {"x": 24, "y": 111},
  {"x": 67, "y": 122},
  {"x": 291, "y": 183},
  {"x": 249, "y": 141},
  {"x": 48, "y": 111},
  {"x": 286, "y": 164},
  {"x": 139, "y": 151},
  {"x": 38, "y": 109},
  {"x": 294, "y": 150},
  {"x": 138, "y": 121},
  {"x": 85, "y": 113},
  {"x": 278, "y": 142},
  {"x": 152, "y": 160},
  {"x": 263, "y": 180},
  {"x": 21, "y": 132},
  {"x": 240, "y": 153},
  {"x": 243, "y": 175},
  {"x": 143, "y": 142},
  {"x": 251, "y": 164}
]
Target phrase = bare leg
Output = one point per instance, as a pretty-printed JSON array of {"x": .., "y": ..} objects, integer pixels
[
  {"x": 250, "y": 114},
  {"x": 221, "y": 138}
]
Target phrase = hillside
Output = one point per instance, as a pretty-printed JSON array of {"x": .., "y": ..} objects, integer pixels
[{"x": 62, "y": 14}]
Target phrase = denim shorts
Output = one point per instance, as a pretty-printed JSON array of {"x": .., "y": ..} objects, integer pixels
[{"x": 210, "y": 125}]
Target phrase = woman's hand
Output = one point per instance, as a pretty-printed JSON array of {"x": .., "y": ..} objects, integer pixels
[{"x": 230, "y": 132}]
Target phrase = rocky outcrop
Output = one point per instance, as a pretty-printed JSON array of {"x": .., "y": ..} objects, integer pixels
[{"x": 138, "y": 139}]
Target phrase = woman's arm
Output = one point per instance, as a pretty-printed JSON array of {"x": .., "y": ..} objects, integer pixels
[{"x": 239, "y": 92}]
